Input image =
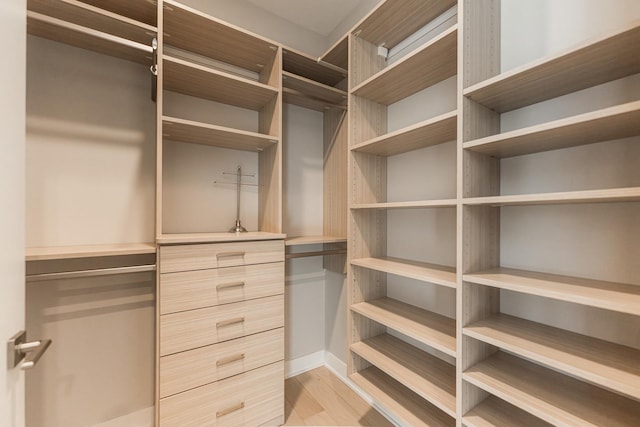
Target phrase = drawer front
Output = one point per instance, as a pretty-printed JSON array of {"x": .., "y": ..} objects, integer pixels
[
  {"x": 196, "y": 328},
  {"x": 189, "y": 290},
  {"x": 216, "y": 255},
  {"x": 250, "y": 399},
  {"x": 195, "y": 368}
]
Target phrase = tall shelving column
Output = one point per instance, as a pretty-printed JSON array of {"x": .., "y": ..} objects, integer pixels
[
  {"x": 512, "y": 370},
  {"x": 408, "y": 381}
]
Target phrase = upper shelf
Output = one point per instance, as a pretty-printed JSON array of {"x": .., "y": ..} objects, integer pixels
[
  {"x": 141, "y": 10},
  {"x": 432, "y": 273},
  {"x": 197, "y": 32},
  {"x": 306, "y": 66},
  {"x": 88, "y": 251},
  {"x": 312, "y": 90},
  {"x": 609, "y": 195},
  {"x": 208, "y": 83},
  {"x": 428, "y": 65},
  {"x": 621, "y": 121},
  {"x": 395, "y": 20},
  {"x": 338, "y": 54},
  {"x": 313, "y": 240},
  {"x": 421, "y": 204},
  {"x": 421, "y": 135},
  {"x": 592, "y": 63},
  {"x": 218, "y": 136}
]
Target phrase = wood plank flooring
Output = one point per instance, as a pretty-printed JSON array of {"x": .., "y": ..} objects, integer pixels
[{"x": 319, "y": 398}]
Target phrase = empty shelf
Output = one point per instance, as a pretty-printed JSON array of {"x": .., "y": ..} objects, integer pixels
[
  {"x": 180, "y": 238},
  {"x": 424, "y": 134},
  {"x": 314, "y": 90},
  {"x": 432, "y": 273},
  {"x": 313, "y": 240},
  {"x": 621, "y": 121},
  {"x": 609, "y": 195},
  {"x": 429, "y": 377},
  {"x": 619, "y": 297},
  {"x": 306, "y": 66},
  {"x": 218, "y": 136},
  {"x": 430, "y": 64},
  {"x": 599, "y": 362},
  {"x": 142, "y": 11},
  {"x": 592, "y": 63},
  {"x": 429, "y": 328},
  {"x": 395, "y": 20},
  {"x": 205, "y": 82},
  {"x": 422, "y": 204},
  {"x": 568, "y": 403},
  {"x": 192, "y": 30},
  {"x": 88, "y": 251},
  {"x": 409, "y": 408},
  {"x": 338, "y": 54},
  {"x": 494, "y": 412}
]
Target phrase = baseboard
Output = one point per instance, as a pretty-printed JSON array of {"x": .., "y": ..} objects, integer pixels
[
  {"x": 303, "y": 364},
  {"x": 141, "y": 418}
]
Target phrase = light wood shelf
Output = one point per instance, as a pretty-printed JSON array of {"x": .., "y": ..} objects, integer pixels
[
  {"x": 429, "y": 328},
  {"x": 194, "y": 31},
  {"x": 395, "y": 20},
  {"x": 218, "y": 136},
  {"x": 432, "y": 273},
  {"x": 142, "y": 11},
  {"x": 188, "y": 238},
  {"x": 95, "y": 18},
  {"x": 204, "y": 82},
  {"x": 293, "y": 97},
  {"x": 429, "y": 377},
  {"x": 568, "y": 402},
  {"x": 87, "y": 38},
  {"x": 620, "y": 297},
  {"x": 421, "y": 135},
  {"x": 611, "y": 195},
  {"x": 409, "y": 408},
  {"x": 494, "y": 412},
  {"x": 338, "y": 54},
  {"x": 88, "y": 251},
  {"x": 589, "y": 64},
  {"x": 303, "y": 65},
  {"x": 611, "y": 366},
  {"x": 313, "y": 240},
  {"x": 422, "y": 204},
  {"x": 428, "y": 65},
  {"x": 314, "y": 90},
  {"x": 621, "y": 121}
]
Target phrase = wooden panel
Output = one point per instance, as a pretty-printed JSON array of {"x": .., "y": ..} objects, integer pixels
[
  {"x": 294, "y": 97},
  {"x": 599, "y": 362},
  {"x": 429, "y": 377},
  {"x": 432, "y": 329},
  {"x": 313, "y": 240},
  {"x": 405, "y": 405},
  {"x": 608, "y": 195},
  {"x": 494, "y": 412},
  {"x": 420, "y": 204},
  {"x": 216, "y": 255},
  {"x": 218, "y": 136},
  {"x": 189, "y": 290},
  {"x": 88, "y": 251},
  {"x": 432, "y": 273},
  {"x": 194, "y": 368},
  {"x": 143, "y": 11},
  {"x": 306, "y": 66},
  {"x": 203, "y": 82},
  {"x": 421, "y": 135},
  {"x": 609, "y": 58},
  {"x": 183, "y": 238},
  {"x": 314, "y": 90},
  {"x": 430, "y": 64},
  {"x": 479, "y": 21},
  {"x": 607, "y": 295},
  {"x": 364, "y": 61},
  {"x": 617, "y": 122},
  {"x": 252, "y": 398},
  {"x": 87, "y": 38},
  {"x": 79, "y": 13},
  {"x": 568, "y": 403},
  {"x": 196, "y": 328},
  {"x": 335, "y": 174},
  {"x": 191, "y": 30},
  {"x": 395, "y": 20},
  {"x": 338, "y": 54}
]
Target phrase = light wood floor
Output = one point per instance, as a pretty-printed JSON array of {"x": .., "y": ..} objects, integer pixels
[{"x": 319, "y": 398}]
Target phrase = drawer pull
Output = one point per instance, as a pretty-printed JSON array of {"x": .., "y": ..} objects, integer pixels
[
  {"x": 230, "y": 410},
  {"x": 230, "y": 285},
  {"x": 229, "y": 359},
  {"x": 230, "y": 322},
  {"x": 229, "y": 254}
]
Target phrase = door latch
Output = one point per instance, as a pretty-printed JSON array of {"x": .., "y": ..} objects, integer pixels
[{"x": 23, "y": 353}]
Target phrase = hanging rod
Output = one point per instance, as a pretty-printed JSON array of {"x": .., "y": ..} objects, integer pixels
[
  {"x": 90, "y": 273},
  {"x": 316, "y": 253}
]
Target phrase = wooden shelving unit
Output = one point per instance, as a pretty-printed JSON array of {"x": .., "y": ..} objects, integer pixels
[
  {"x": 611, "y": 195},
  {"x": 325, "y": 95},
  {"x": 437, "y": 274},
  {"x": 88, "y": 251},
  {"x": 338, "y": 54},
  {"x": 303, "y": 65},
  {"x": 142, "y": 11},
  {"x": 493, "y": 412}
]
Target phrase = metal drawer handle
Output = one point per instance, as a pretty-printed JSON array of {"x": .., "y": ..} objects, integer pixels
[
  {"x": 230, "y": 285},
  {"x": 230, "y": 322},
  {"x": 229, "y": 359},
  {"x": 229, "y": 254},
  {"x": 230, "y": 410}
]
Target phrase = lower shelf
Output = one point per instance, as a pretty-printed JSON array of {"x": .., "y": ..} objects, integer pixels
[
  {"x": 494, "y": 412},
  {"x": 568, "y": 402},
  {"x": 405, "y": 405}
]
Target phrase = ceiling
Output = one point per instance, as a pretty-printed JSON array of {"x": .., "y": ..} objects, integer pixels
[{"x": 319, "y": 16}]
